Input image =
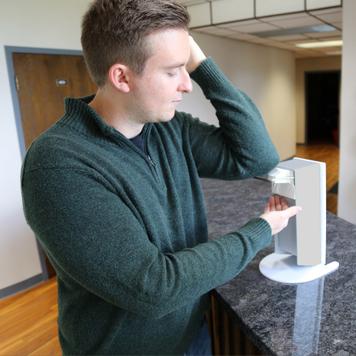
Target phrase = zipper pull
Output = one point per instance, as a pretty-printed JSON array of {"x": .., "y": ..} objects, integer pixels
[{"x": 151, "y": 161}]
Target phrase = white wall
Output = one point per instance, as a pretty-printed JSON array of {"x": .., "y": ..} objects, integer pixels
[
  {"x": 35, "y": 23},
  {"x": 347, "y": 182},
  {"x": 266, "y": 74}
]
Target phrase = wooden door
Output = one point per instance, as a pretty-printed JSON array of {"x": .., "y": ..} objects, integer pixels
[{"x": 42, "y": 82}]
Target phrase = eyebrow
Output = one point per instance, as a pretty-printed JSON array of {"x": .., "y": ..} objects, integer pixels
[{"x": 177, "y": 65}]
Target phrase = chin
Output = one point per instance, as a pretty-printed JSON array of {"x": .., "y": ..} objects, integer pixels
[{"x": 168, "y": 117}]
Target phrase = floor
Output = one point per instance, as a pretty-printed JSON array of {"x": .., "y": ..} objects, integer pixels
[{"x": 28, "y": 321}]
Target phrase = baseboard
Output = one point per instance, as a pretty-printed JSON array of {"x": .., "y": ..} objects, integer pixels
[{"x": 21, "y": 286}]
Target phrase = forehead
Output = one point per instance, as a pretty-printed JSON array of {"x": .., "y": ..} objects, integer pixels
[{"x": 170, "y": 45}]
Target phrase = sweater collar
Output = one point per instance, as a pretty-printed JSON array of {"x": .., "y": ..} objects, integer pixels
[{"x": 82, "y": 118}]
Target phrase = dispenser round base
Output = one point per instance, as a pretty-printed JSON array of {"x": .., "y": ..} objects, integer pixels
[{"x": 283, "y": 268}]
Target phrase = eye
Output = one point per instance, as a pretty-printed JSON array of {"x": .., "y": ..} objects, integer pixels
[{"x": 172, "y": 74}]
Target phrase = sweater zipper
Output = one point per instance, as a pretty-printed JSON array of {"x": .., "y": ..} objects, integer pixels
[
  {"x": 145, "y": 154},
  {"x": 153, "y": 166},
  {"x": 151, "y": 161}
]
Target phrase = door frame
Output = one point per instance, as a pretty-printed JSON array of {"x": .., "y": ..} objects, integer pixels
[{"x": 9, "y": 50}]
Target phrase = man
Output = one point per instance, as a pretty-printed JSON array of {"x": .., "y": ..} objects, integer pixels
[{"x": 112, "y": 190}]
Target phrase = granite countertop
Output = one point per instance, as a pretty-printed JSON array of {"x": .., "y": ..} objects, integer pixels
[{"x": 315, "y": 318}]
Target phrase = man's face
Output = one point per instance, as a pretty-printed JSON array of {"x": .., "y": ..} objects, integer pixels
[{"x": 158, "y": 89}]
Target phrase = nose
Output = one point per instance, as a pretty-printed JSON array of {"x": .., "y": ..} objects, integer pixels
[{"x": 186, "y": 83}]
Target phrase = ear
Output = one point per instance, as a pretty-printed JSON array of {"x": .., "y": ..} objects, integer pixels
[{"x": 119, "y": 76}]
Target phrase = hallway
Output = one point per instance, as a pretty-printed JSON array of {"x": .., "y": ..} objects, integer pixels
[{"x": 328, "y": 153}]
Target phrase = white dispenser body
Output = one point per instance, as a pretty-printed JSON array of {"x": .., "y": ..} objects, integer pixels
[{"x": 300, "y": 249}]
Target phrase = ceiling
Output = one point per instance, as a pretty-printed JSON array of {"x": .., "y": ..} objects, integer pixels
[{"x": 282, "y": 31}]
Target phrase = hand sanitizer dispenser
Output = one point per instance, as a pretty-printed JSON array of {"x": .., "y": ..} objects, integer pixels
[{"x": 300, "y": 248}]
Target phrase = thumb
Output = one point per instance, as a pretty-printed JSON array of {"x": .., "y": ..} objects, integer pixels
[{"x": 293, "y": 210}]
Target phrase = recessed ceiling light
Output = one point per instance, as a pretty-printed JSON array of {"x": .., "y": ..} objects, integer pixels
[
  {"x": 319, "y": 44},
  {"x": 296, "y": 30}
]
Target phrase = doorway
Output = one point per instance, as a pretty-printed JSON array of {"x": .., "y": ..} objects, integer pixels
[
  {"x": 41, "y": 83},
  {"x": 322, "y": 100},
  {"x": 322, "y": 107}
]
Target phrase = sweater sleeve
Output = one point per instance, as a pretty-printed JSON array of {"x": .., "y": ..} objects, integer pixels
[
  {"x": 240, "y": 147},
  {"x": 98, "y": 241}
]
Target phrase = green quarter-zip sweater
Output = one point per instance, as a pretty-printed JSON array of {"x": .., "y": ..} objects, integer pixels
[{"x": 127, "y": 232}]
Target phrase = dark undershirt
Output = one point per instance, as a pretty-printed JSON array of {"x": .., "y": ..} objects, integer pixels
[{"x": 139, "y": 141}]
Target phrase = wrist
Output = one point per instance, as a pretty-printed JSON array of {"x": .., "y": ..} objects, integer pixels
[
  {"x": 197, "y": 56},
  {"x": 197, "y": 62}
]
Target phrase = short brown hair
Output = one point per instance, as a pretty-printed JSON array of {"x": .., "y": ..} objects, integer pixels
[{"x": 115, "y": 30}]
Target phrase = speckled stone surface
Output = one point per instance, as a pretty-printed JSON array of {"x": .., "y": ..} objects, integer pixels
[{"x": 315, "y": 318}]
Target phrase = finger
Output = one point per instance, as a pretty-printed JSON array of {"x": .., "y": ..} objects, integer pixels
[
  {"x": 278, "y": 202},
  {"x": 268, "y": 205},
  {"x": 284, "y": 203},
  {"x": 272, "y": 203},
  {"x": 293, "y": 210}
]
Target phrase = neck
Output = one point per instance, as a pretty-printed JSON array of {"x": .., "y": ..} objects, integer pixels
[{"x": 113, "y": 111}]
